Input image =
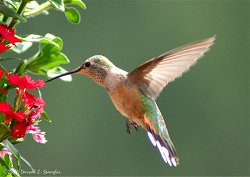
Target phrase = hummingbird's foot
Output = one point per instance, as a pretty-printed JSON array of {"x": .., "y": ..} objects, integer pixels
[{"x": 130, "y": 123}]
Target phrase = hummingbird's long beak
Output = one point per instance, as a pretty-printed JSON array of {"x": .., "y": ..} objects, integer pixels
[{"x": 64, "y": 74}]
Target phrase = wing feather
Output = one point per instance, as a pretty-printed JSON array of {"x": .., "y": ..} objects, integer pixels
[{"x": 155, "y": 74}]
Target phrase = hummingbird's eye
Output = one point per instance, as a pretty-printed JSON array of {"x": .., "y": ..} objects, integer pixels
[{"x": 87, "y": 64}]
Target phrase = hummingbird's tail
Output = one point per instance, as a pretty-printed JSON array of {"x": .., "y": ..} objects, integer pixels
[{"x": 159, "y": 137}]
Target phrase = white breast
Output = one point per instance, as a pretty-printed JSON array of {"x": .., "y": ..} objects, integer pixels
[{"x": 114, "y": 77}]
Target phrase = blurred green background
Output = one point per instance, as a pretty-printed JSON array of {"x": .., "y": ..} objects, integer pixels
[{"x": 206, "y": 110}]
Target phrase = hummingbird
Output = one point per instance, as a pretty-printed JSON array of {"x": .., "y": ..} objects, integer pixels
[{"x": 134, "y": 93}]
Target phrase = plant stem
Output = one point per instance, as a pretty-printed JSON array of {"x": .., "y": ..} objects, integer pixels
[
  {"x": 21, "y": 7},
  {"x": 5, "y": 138},
  {"x": 5, "y": 18},
  {"x": 19, "y": 11},
  {"x": 38, "y": 10},
  {"x": 13, "y": 58},
  {"x": 21, "y": 67}
]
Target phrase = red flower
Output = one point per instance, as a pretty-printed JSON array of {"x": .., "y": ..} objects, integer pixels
[
  {"x": 24, "y": 82},
  {"x": 28, "y": 99},
  {"x": 1, "y": 73},
  {"x": 1, "y": 76},
  {"x": 32, "y": 102},
  {"x": 19, "y": 130},
  {"x": 9, "y": 34},
  {"x": 4, "y": 47},
  {"x": 18, "y": 116},
  {"x": 3, "y": 91},
  {"x": 6, "y": 109}
]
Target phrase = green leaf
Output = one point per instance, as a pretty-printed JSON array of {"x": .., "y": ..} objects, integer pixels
[
  {"x": 48, "y": 57},
  {"x": 58, "y": 4},
  {"x": 4, "y": 131},
  {"x": 14, "y": 152},
  {"x": 5, "y": 10},
  {"x": 47, "y": 39},
  {"x": 22, "y": 158},
  {"x": 57, "y": 71},
  {"x": 2, "y": 162},
  {"x": 14, "y": 5},
  {"x": 76, "y": 2},
  {"x": 3, "y": 98},
  {"x": 52, "y": 48},
  {"x": 7, "y": 160},
  {"x": 2, "y": 116},
  {"x": 72, "y": 15},
  {"x": 16, "y": 140},
  {"x": 7, "y": 163},
  {"x": 21, "y": 67},
  {"x": 4, "y": 171},
  {"x": 1, "y": 146},
  {"x": 47, "y": 62},
  {"x": 32, "y": 5},
  {"x": 21, "y": 47},
  {"x": 46, "y": 117},
  {"x": 33, "y": 8},
  {"x": 8, "y": 175}
]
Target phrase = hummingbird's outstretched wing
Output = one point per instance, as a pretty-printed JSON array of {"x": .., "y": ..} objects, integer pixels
[{"x": 155, "y": 74}]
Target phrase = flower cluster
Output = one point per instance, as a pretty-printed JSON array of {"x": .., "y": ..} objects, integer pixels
[
  {"x": 7, "y": 35},
  {"x": 28, "y": 108},
  {"x": 22, "y": 117}
]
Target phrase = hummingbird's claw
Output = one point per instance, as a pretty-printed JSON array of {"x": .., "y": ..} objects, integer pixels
[
  {"x": 128, "y": 130},
  {"x": 130, "y": 123},
  {"x": 128, "y": 126},
  {"x": 134, "y": 125}
]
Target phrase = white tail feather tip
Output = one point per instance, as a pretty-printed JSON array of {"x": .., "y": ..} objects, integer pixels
[
  {"x": 152, "y": 139},
  {"x": 164, "y": 153},
  {"x": 173, "y": 161}
]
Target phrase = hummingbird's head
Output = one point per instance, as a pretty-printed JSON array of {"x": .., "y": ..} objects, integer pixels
[{"x": 96, "y": 67}]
